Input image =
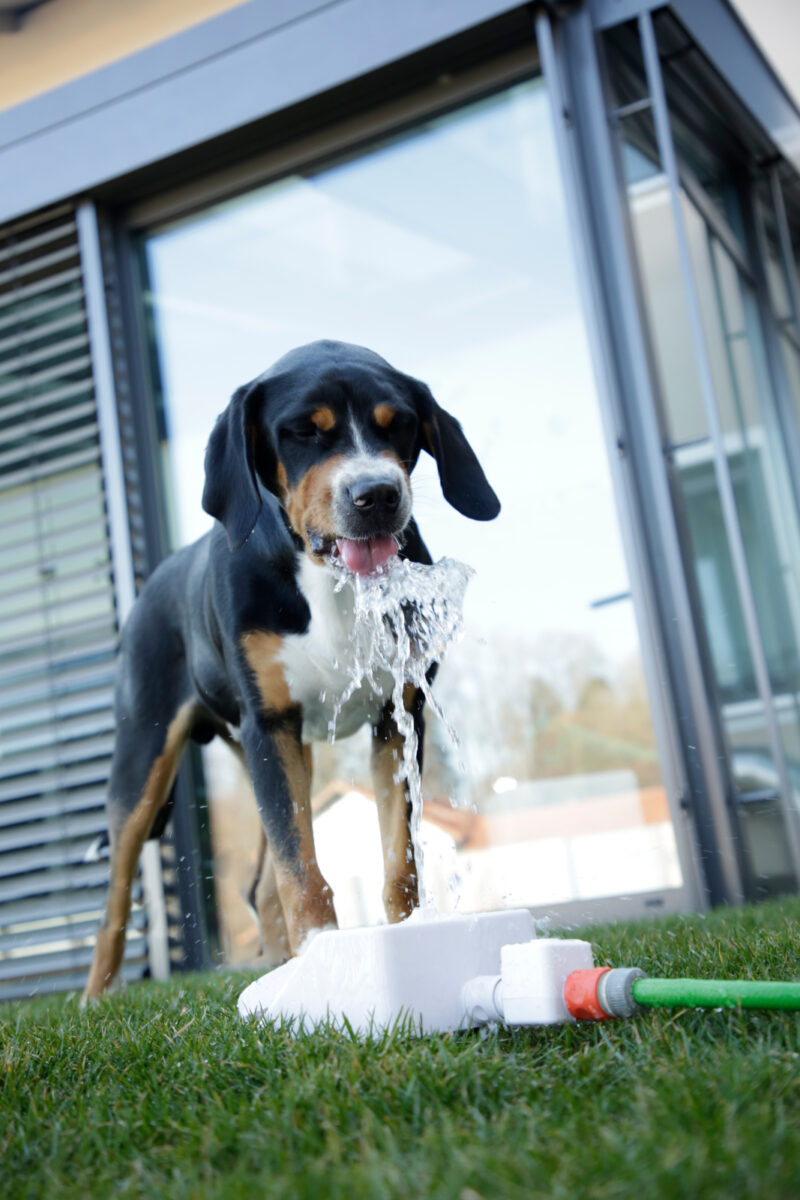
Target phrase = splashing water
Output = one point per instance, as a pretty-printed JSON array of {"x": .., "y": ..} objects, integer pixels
[{"x": 405, "y": 617}]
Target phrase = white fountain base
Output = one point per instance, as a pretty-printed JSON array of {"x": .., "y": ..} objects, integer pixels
[{"x": 370, "y": 979}]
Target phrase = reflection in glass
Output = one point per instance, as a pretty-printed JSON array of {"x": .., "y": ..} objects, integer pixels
[{"x": 446, "y": 250}]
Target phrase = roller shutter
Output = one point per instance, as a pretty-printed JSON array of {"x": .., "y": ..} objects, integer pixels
[{"x": 58, "y": 620}]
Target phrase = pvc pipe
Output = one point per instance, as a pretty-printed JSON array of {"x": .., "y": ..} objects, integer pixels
[
  {"x": 482, "y": 999},
  {"x": 717, "y": 993}
]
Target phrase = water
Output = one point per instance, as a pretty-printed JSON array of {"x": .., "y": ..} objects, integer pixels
[{"x": 405, "y": 618}]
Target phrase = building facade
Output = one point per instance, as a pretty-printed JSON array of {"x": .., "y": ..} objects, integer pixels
[{"x": 580, "y": 224}]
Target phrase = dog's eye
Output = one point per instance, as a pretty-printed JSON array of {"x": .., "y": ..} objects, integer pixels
[
  {"x": 401, "y": 426},
  {"x": 306, "y": 432}
]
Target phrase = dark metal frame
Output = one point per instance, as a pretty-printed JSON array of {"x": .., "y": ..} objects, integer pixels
[{"x": 182, "y": 856}]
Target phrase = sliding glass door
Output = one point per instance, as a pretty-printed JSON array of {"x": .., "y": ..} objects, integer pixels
[{"x": 727, "y": 450}]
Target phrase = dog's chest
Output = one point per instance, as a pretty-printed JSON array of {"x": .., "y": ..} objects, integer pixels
[{"x": 318, "y": 664}]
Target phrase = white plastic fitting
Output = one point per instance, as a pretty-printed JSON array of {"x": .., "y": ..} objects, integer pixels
[
  {"x": 534, "y": 975},
  {"x": 530, "y": 987},
  {"x": 482, "y": 999}
]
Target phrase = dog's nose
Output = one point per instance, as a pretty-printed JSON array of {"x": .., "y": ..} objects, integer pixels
[{"x": 375, "y": 497}]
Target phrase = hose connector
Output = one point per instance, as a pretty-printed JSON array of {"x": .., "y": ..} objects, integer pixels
[
  {"x": 580, "y": 994},
  {"x": 615, "y": 991}
]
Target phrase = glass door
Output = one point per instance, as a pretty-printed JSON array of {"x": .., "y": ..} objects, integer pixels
[
  {"x": 728, "y": 464},
  {"x": 447, "y": 250}
]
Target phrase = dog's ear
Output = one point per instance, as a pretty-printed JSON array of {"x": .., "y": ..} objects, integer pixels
[
  {"x": 464, "y": 484},
  {"x": 235, "y": 458}
]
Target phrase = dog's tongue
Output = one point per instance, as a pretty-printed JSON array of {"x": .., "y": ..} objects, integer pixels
[{"x": 364, "y": 557}]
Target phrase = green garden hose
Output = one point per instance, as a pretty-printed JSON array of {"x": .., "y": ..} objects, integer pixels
[{"x": 716, "y": 993}]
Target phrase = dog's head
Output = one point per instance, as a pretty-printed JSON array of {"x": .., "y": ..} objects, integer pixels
[{"x": 332, "y": 432}]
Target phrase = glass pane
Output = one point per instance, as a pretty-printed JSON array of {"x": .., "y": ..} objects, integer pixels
[
  {"x": 711, "y": 130},
  {"x": 623, "y": 50},
  {"x": 790, "y": 192},
  {"x": 707, "y": 140},
  {"x": 447, "y": 251},
  {"x": 765, "y": 503},
  {"x": 773, "y": 265}
]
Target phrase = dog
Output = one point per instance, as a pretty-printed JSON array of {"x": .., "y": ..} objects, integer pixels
[{"x": 237, "y": 635}]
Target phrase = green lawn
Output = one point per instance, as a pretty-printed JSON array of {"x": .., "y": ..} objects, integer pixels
[{"x": 162, "y": 1091}]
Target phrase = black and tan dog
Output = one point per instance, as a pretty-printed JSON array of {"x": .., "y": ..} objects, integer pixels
[{"x": 240, "y": 634}]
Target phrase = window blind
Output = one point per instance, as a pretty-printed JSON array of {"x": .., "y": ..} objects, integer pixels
[{"x": 58, "y": 620}]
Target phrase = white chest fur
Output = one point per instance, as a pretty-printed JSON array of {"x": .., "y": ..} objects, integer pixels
[{"x": 317, "y": 663}]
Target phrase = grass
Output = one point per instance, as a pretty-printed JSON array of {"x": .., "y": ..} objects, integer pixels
[{"x": 162, "y": 1091}]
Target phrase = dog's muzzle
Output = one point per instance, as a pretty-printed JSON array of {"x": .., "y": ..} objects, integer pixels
[{"x": 371, "y": 508}]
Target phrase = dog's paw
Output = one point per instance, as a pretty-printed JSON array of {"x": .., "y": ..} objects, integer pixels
[{"x": 309, "y": 937}]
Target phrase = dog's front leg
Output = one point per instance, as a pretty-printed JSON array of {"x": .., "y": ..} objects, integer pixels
[
  {"x": 401, "y": 883},
  {"x": 280, "y": 774}
]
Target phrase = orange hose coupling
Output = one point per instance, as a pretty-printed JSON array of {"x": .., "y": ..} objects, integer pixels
[{"x": 580, "y": 994}]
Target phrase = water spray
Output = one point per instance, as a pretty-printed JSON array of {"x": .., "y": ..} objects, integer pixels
[{"x": 406, "y": 616}]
